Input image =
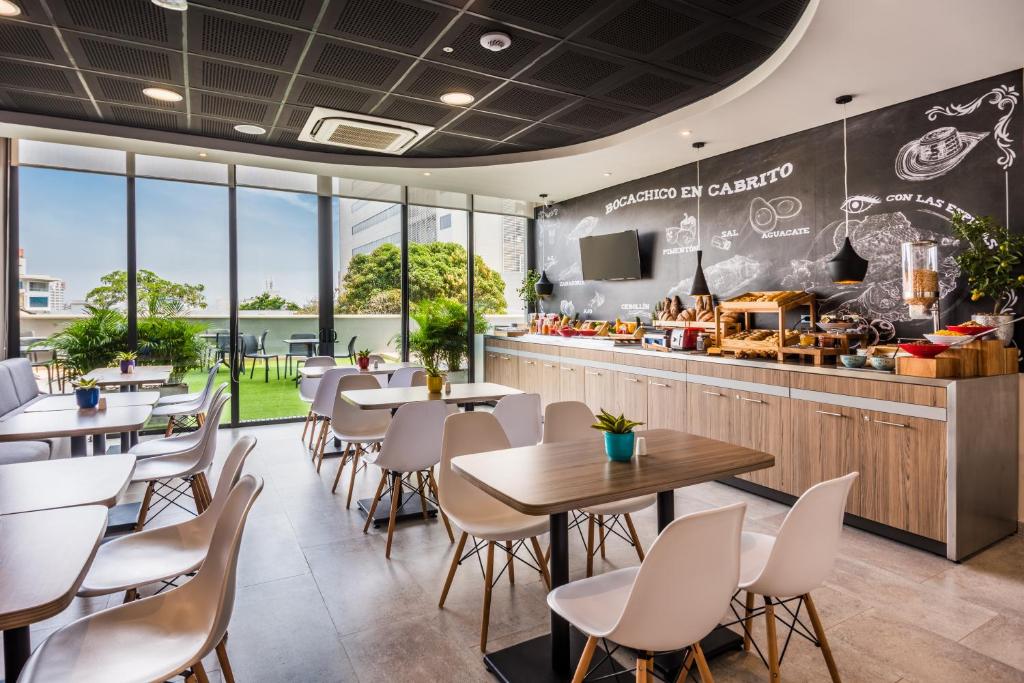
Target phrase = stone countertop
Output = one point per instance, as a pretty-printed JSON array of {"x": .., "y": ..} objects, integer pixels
[{"x": 609, "y": 345}]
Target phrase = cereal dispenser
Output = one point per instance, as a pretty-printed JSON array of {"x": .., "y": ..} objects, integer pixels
[{"x": 921, "y": 279}]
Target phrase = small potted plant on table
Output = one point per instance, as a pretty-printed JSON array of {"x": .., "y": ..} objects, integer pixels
[
  {"x": 618, "y": 435},
  {"x": 126, "y": 361},
  {"x": 363, "y": 359},
  {"x": 87, "y": 393}
]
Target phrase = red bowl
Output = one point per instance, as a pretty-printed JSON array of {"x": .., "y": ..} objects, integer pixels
[
  {"x": 567, "y": 332},
  {"x": 586, "y": 333},
  {"x": 969, "y": 329},
  {"x": 924, "y": 350}
]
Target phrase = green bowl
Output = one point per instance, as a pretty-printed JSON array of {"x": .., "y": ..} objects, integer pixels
[{"x": 852, "y": 360}]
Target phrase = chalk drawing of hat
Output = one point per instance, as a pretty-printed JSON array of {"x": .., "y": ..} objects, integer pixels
[{"x": 935, "y": 153}]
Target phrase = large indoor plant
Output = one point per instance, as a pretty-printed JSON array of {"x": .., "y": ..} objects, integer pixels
[
  {"x": 440, "y": 338},
  {"x": 171, "y": 341},
  {"x": 991, "y": 258},
  {"x": 92, "y": 342},
  {"x": 528, "y": 291}
]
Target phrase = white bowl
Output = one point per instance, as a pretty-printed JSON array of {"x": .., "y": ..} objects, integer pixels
[
  {"x": 946, "y": 339},
  {"x": 834, "y": 326}
]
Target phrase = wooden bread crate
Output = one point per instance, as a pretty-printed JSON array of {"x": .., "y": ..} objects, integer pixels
[
  {"x": 751, "y": 302},
  {"x": 984, "y": 358},
  {"x": 938, "y": 367}
]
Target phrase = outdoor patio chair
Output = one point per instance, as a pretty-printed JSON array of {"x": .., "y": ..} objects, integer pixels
[
  {"x": 351, "y": 355},
  {"x": 301, "y": 345},
  {"x": 256, "y": 349}
]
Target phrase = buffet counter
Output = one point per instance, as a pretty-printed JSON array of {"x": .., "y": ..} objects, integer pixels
[{"x": 937, "y": 457}]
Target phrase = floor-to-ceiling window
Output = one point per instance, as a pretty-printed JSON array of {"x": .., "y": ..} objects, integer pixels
[
  {"x": 277, "y": 288},
  {"x": 181, "y": 217}
]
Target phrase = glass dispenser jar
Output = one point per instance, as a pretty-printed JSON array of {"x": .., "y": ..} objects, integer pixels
[{"x": 921, "y": 277}]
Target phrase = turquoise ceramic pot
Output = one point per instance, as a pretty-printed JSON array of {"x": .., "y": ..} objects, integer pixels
[{"x": 618, "y": 447}]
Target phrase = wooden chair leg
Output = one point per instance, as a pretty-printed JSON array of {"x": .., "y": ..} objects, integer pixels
[
  {"x": 451, "y": 571},
  {"x": 376, "y": 499},
  {"x": 325, "y": 430},
  {"x": 225, "y": 664},
  {"x": 170, "y": 426},
  {"x": 747, "y": 621},
  {"x": 819, "y": 632},
  {"x": 488, "y": 580},
  {"x": 432, "y": 483},
  {"x": 197, "y": 493},
  {"x": 511, "y": 563},
  {"x": 131, "y": 595},
  {"x": 541, "y": 562},
  {"x": 201, "y": 419},
  {"x": 358, "y": 452},
  {"x": 590, "y": 545},
  {"x": 773, "y": 642},
  {"x": 200, "y": 672},
  {"x": 584, "y": 663},
  {"x": 204, "y": 488},
  {"x": 601, "y": 533},
  {"x": 305, "y": 425},
  {"x": 633, "y": 535},
  {"x": 684, "y": 672},
  {"x": 396, "y": 486},
  {"x": 341, "y": 466},
  {"x": 422, "y": 494},
  {"x": 702, "y": 665},
  {"x": 641, "y": 670},
  {"x": 144, "y": 510}
]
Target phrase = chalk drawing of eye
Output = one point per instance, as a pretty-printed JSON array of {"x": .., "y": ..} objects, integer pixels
[{"x": 859, "y": 203}]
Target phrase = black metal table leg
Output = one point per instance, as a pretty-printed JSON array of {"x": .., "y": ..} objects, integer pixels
[
  {"x": 468, "y": 407},
  {"x": 99, "y": 444},
  {"x": 559, "y": 577},
  {"x": 79, "y": 446},
  {"x": 17, "y": 648}
]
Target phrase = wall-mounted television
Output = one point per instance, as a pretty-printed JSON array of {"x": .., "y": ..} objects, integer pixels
[{"x": 611, "y": 257}]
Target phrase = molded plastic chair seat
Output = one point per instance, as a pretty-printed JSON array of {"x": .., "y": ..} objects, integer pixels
[
  {"x": 166, "y": 467},
  {"x": 180, "y": 442},
  {"x": 501, "y": 524},
  {"x": 755, "y": 549},
  {"x": 623, "y": 507},
  {"x": 520, "y": 417},
  {"x": 173, "y": 399},
  {"x": 594, "y": 604},
  {"x": 356, "y": 428}
]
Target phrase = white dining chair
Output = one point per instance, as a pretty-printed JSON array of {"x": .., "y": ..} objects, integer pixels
[
  {"x": 411, "y": 447},
  {"x": 177, "y": 412},
  {"x": 159, "y": 637},
  {"x": 308, "y": 387},
  {"x": 671, "y": 601},
  {"x": 211, "y": 378},
  {"x": 127, "y": 563},
  {"x": 785, "y": 568},
  {"x": 360, "y": 431},
  {"x": 183, "y": 441},
  {"x": 403, "y": 377},
  {"x": 571, "y": 421},
  {"x": 520, "y": 417},
  {"x": 188, "y": 466},
  {"x": 322, "y": 406},
  {"x": 489, "y": 521}
]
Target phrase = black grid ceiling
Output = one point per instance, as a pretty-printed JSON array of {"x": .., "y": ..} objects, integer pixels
[{"x": 577, "y": 69}]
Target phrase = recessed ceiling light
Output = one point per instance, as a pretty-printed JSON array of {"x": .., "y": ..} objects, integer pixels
[
  {"x": 607, "y": 173},
  {"x": 426, "y": 173},
  {"x": 9, "y": 9},
  {"x": 457, "y": 98},
  {"x": 685, "y": 133},
  {"x": 162, "y": 94},
  {"x": 176, "y": 5},
  {"x": 447, "y": 48},
  {"x": 250, "y": 129},
  {"x": 202, "y": 155}
]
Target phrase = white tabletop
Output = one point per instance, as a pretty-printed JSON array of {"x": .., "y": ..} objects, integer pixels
[
  {"x": 48, "y": 484},
  {"x": 28, "y": 426},
  {"x": 114, "y": 400},
  {"x": 395, "y": 397},
  {"x": 142, "y": 374},
  {"x": 318, "y": 371}
]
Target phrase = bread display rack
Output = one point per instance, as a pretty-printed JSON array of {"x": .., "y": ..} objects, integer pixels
[{"x": 761, "y": 342}]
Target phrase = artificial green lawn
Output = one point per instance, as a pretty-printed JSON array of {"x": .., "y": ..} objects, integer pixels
[{"x": 258, "y": 400}]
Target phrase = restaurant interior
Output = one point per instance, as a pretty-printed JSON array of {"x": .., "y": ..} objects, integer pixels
[{"x": 511, "y": 340}]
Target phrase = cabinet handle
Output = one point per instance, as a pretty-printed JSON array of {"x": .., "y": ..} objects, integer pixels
[
  {"x": 594, "y": 374},
  {"x": 531, "y": 362},
  {"x": 658, "y": 384},
  {"x": 549, "y": 365},
  {"x": 711, "y": 393},
  {"x": 826, "y": 412},
  {"x": 750, "y": 400},
  {"x": 891, "y": 424},
  {"x": 631, "y": 379},
  {"x": 568, "y": 369},
  {"x": 506, "y": 357}
]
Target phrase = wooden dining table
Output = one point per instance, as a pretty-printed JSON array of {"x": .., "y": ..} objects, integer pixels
[
  {"x": 44, "y": 556},
  {"x": 130, "y": 381},
  {"x": 317, "y": 371},
  {"x": 114, "y": 400},
  {"x": 553, "y": 479},
  {"x": 77, "y": 424},
  {"x": 66, "y": 482}
]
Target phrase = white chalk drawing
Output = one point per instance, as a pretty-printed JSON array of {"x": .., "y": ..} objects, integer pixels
[
  {"x": 725, "y": 278},
  {"x": 935, "y": 153},
  {"x": 859, "y": 203},
  {"x": 1004, "y": 98},
  {"x": 596, "y": 301},
  {"x": 573, "y": 272},
  {"x": 685, "y": 234},
  {"x": 766, "y": 214},
  {"x": 721, "y": 242},
  {"x": 550, "y": 261},
  {"x": 567, "y": 307},
  {"x": 582, "y": 229}
]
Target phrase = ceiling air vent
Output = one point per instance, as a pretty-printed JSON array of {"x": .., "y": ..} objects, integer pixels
[{"x": 359, "y": 131}]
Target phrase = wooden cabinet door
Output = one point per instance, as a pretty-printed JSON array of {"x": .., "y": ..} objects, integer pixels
[
  {"x": 550, "y": 380},
  {"x": 708, "y": 411},
  {"x": 632, "y": 395},
  {"x": 903, "y": 472},
  {"x": 492, "y": 367},
  {"x": 600, "y": 390},
  {"x": 822, "y": 443},
  {"x": 529, "y": 375},
  {"x": 757, "y": 421},
  {"x": 509, "y": 372},
  {"x": 571, "y": 383},
  {"x": 666, "y": 404}
]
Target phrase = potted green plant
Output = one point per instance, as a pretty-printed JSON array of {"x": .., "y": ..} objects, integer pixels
[
  {"x": 363, "y": 359},
  {"x": 87, "y": 394},
  {"x": 90, "y": 342},
  {"x": 126, "y": 361},
  {"x": 528, "y": 291},
  {"x": 991, "y": 258},
  {"x": 618, "y": 435},
  {"x": 440, "y": 335}
]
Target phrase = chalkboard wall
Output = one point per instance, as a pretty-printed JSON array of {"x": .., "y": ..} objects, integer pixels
[{"x": 771, "y": 215}]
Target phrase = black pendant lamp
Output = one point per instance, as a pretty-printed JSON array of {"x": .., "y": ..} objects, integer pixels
[
  {"x": 700, "y": 283},
  {"x": 847, "y": 267},
  {"x": 544, "y": 287}
]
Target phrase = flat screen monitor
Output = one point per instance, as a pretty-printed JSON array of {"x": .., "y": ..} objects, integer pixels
[{"x": 611, "y": 257}]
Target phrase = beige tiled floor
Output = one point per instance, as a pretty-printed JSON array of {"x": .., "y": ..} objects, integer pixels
[{"x": 317, "y": 601}]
